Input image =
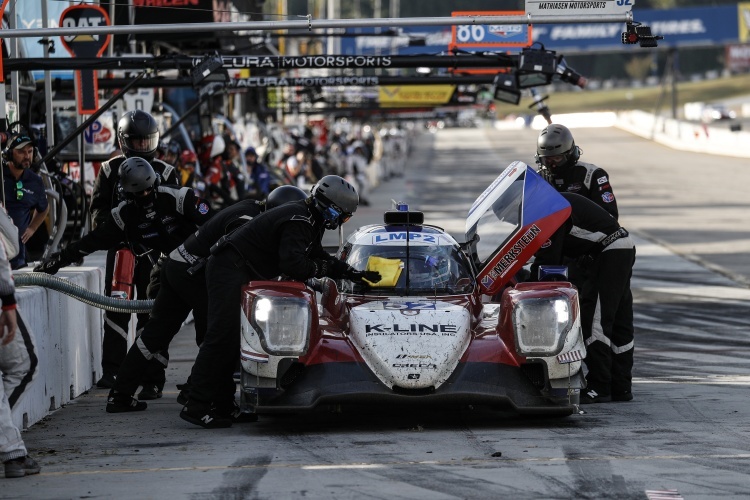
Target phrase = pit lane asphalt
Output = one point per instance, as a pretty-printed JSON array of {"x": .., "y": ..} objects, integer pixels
[{"x": 686, "y": 434}]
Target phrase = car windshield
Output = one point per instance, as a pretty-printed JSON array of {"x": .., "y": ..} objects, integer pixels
[{"x": 419, "y": 270}]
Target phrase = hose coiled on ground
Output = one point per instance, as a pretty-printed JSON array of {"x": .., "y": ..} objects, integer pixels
[{"x": 86, "y": 296}]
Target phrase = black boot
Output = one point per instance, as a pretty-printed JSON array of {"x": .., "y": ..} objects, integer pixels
[
  {"x": 232, "y": 410},
  {"x": 150, "y": 391},
  {"x": 122, "y": 403},
  {"x": 204, "y": 415}
]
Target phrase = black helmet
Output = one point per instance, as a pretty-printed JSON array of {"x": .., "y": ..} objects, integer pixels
[
  {"x": 138, "y": 134},
  {"x": 556, "y": 148},
  {"x": 284, "y": 194},
  {"x": 136, "y": 176},
  {"x": 336, "y": 200}
]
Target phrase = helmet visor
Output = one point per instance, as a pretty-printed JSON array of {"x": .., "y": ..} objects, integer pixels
[
  {"x": 141, "y": 143},
  {"x": 335, "y": 216},
  {"x": 553, "y": 161}
]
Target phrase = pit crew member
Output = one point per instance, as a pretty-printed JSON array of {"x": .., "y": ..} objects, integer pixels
[
  {"x": 151, "y": 216},
  {"x": 605, "y": 297},
  {"x": 283, "y": 241},
  {"x": 138, "y": 136},
  {"x": 182, "y": 289},
  {"x": 558, "y": 157}
]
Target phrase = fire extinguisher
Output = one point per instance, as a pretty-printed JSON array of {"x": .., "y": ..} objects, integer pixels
[{"x": 122, "y": 277}]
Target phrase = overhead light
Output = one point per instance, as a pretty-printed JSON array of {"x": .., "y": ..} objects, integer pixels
[
  {"x": 506, "y": 88},
  {"x": 535, "y": 67},
  {"x": 209, "y": 75}
]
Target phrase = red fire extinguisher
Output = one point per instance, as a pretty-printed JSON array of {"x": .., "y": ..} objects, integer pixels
[{"x": 122, "y": 277}]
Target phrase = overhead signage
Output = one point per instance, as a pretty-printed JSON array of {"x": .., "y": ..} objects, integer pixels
[
  {"x": 491, "y": 35},
  {"x": 85, "y": 16},
  {"x": 411, "y": 95},
  {"x": 299, "y": 62},
  {"x": 312, "y": 81},
  {"x": 695, "y": 26},
  {"x": 578, "y": 8},
  {"x": 743, "y": 16},
  {"x": 689, "y": 26}
]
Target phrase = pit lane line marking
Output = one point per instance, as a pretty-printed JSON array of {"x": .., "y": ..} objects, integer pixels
[
  {"x": 384, "y": 465},
  {"x": 697, "y": 380}
]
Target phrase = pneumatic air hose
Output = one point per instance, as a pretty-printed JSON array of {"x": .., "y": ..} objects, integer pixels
[{"x": 86, "y": 296}]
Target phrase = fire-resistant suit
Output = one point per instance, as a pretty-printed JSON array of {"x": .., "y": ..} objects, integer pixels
[
  {"x": 182, "y": 289},
  {"x": 593, "y": 238},
  {"x": 283, "y": 241},
  {"x": 104, "y": 199},
  {"x": 160, "y": 222}
]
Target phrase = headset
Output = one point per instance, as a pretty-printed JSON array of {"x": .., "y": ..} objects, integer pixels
[{"x": 17, "y": 129}]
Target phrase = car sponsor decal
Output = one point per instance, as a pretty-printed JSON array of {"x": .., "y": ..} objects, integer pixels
[
  {"x": 510, "y": 256},
  {"x": 417, "y": 329},
  {"x": 409, "y": 305},
  {"x": 608, "y": 197},
  {"x": 429, "y": 366},
  {"x": 546, "y": 244},
  {"x": 414, "y": 237}
]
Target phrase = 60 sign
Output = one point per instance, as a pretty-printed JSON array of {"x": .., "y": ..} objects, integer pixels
[{"x": 471, "y": 33}]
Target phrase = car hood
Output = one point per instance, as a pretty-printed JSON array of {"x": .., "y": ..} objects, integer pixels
[{"x": 410, "y": 343}]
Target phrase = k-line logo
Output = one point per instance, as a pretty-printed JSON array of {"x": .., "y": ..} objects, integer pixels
[
  {"x": 412, "y": 328},
  {"x": 413, "y": 356}
]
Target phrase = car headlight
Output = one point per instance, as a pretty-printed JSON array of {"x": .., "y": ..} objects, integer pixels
[
  {"x": 541, "y": 325},
  {"x": 282, "y": 323}
]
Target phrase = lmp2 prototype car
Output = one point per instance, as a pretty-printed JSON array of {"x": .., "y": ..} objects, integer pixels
[{"x": 428, "y": 332}]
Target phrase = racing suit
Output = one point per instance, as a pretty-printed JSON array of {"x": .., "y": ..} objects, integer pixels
[
  {"x": 182, "y": 289},
  {"x": 103, "y": 200},
  {"x": 606, "y": 301},
  {"x": 161, "y": 224},
  {"x": 285, "y": 240},
  {"x": 18, "y": 364},
  {"x": 589, "y": 181}
]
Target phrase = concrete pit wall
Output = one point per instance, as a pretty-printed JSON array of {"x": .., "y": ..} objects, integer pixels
[{"x": 68, "y": 337}]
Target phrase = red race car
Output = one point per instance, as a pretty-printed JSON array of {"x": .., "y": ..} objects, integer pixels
[{"x": 447, "y": 324}]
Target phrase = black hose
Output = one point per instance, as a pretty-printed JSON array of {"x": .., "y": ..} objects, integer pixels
[{"x": 86, "y": 296}]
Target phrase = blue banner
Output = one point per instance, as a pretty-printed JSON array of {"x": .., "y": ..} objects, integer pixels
[{"x": 696, "y": 26}]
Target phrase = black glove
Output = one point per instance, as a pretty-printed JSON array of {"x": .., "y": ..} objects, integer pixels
[
  {"x": 52, "y": 264},
  {"x": 360, "y": 276},
  {"x": 332, "y": 268}
]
